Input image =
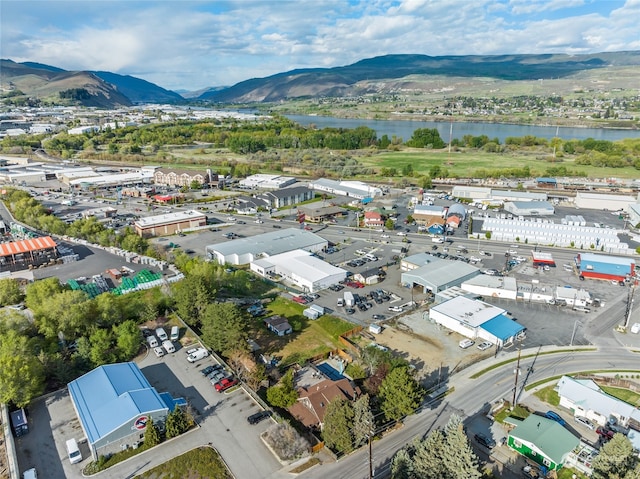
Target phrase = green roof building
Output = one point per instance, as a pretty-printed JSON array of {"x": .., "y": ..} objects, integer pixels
[{"x": 543, "y": 440}]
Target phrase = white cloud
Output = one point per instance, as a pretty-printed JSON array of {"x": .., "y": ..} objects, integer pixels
[{"x": 195, "y": 44}]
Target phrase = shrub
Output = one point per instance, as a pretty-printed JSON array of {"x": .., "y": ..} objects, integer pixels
[{"x": 286, "y": 441}]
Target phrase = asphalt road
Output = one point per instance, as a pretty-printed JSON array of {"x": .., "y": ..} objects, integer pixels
[{"x": 468, "y": 397}]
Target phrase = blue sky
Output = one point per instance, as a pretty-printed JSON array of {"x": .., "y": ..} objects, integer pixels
[{"x": 195, "y": 44}]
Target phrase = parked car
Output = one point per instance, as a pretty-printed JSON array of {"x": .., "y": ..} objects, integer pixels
[
  {"x": 466, "y": 343},
  {"x": 199, "y": 354},
  {"x": 159, "y": 351},
  {"x": 210, "y": 369},
  {"x": 585, "y": 422},
  {"x": 378, "y": 317},
  {"x": 259, "y": 416},
  {"x": 485, "y": 441},
  {"x": 484, "y": 345},
  {"x": 395, "y": 309},
  {"x": 225, "y": 384},
  {"x": 555, "y": 417},
  {"x": 162, "y": 334}
]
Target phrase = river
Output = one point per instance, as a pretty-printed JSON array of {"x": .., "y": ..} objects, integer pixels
[{"x": 404, "y": 129}]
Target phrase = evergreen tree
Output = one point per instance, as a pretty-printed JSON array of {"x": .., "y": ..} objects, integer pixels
[
  {"x": 177, "y": 422},
  {"x": 284, "y": 394},
  {"x": 616, "y": 460},
  {"x": 402, "y": 465},
  {"x": 363, "y": 421},
  {"x": 338, "y": 420},
  {"x": 152, "y": 434},
  {"x": 459, "y": 458},
  {"x": 428, "y": 460},
  {"x": 400, "y": 394}
]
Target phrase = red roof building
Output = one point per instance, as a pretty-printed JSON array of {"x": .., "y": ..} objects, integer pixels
[
  {"x": 313, "y": 401},
  {"x": 373, "y": 218}
]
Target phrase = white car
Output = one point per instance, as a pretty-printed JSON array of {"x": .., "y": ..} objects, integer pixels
[
  {"x": 635, "y": 329},
  {"x": 401, "y": 233},
  {"x": 484, "y": 345},
  {"x": 159, "y": 351},
  {"x": 466, "y": 343},
  {"x": 384, "y": 236},
  {"x": 475, "y": 259},
  {"x": 585, "y": 422},
  {"x": 395, "y": 309}
]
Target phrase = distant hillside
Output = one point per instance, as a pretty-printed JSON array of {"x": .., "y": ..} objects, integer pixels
[
  {"x": 107, "y": 90},
  {"x": 138, "y": 90},
  {"x": 59, "y": 87},
  {"x": 370, "y": 74}
]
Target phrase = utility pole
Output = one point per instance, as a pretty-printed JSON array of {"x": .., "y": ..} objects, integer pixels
[
  {"x": 370, "y": 458},
  {"x": 627, "y": 316},
  {"x": 515, "y": 386}
]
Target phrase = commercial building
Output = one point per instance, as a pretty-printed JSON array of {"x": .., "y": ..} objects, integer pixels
[
  {"x": 316, "y": 214},
  {"x": 373, "y": 219},
  {"x": 30, "y": 251},
  {"x": 572, "y": 296},
  {"x": 291, "y": 196},
  {"x": 509, "y": 195},
  {"x": 476, "y": 193},
  {"x": 352, "y": 189},
  {"x": 545, "y": 232},
  {"x": 424, "y": 214},
  {"x": 540, "y": 258},
  {"x": 600, "y": 201},
  {"x": 492, "y": 286},
  {"x": 476, "y": 319},
  {"x": 141, "y": 177},
  {"x": 434, "y": 274},
  {"x": 262, "y": 181},
  {"x": 634, "y": 214},
  {"x": 599, "y": 266},
  {"x": 170, "y": 177},
  {"x": 542, "y": 440},
  {"x": 246, "y": 250},
  {"x": 300, "y": 269},
  {"x": 170, "y": 223},
  {"x": 114, "y": 404},
  {"x": 529, "y": 208}
]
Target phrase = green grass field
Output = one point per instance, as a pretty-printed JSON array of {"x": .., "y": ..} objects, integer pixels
[
  {"x": 309, "y": 338},
  {"x": 466, "y": 164},
  {"x": 548, "y": 395},
  {"x": 200, "y": 463}
]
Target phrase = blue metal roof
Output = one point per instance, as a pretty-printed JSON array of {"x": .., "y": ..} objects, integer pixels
[
  {"x": 502, "y": 327},
  {"x": 110, "y": 396}
]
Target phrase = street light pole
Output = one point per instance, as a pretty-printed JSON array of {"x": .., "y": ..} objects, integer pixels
[{"x": 370, "y": 458}]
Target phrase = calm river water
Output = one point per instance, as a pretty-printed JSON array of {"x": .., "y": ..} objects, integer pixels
[{"x": 404, "y": 129}]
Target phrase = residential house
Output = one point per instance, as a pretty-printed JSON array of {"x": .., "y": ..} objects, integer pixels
[
  {"x": 542, "y": 440},
  {"x": 584, "y": 398},
  {"x": 313, "y": 400},
  {"x": 278, "y": 325}
]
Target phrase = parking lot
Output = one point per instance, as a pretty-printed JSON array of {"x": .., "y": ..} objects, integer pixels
[{"x": 222, "y": 420}]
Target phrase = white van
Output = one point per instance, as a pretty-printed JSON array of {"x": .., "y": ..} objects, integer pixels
[
  {"x": 175, "y": 333},
  {"x": 73, "y": 450},
  {"x": 153, "y": 342},
  {"x": 197, "y": 355},
  {"x": 162, "y": 334},
  {"x": 168, "y": 345}
]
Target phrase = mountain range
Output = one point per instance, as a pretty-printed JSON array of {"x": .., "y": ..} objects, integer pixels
[{"x": 367, "y": 76}]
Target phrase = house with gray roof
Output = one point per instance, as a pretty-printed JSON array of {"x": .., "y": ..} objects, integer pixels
[{"x": 585, "y": 398}]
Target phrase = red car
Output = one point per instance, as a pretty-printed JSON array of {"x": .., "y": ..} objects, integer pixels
[
  {"x": 225, "y": 384},
  {"x": 300, "y": 299}
]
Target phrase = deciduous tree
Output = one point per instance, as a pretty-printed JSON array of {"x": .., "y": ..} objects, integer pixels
[
  {"x": 21, "y": 374},
  {"x": 10, "y": 292},
  {"x": 284, "y": 394}
]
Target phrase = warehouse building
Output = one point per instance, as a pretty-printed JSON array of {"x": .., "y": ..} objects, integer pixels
[
  {"x": 114, "y": 403},
  {"x": 529, "y": 208},
  {"x": 247, "y": 250},
  {"x": 267, "y": 182},
  {"x": 352, "y": 189},
  {"x": 492, "y": 286},
  {"x": 510, "y": 195},
  {"x": 546, "y": 232},
  {"x": 288, "y": 196},
  {"x": 300, "y": 269},
  {"x": 600, "y": 266},
  {"x": 434, "y": 274},
  {"x": 476, "y": 193},
  {"x": 634, "y": 214},
  {"x": 475, "y": 319},
  {"x": 424, "y": 214},
  {"x": 170, "y": 223},
  {"x": 598, "y": 201},
  {"x": 141, "y": 177}
]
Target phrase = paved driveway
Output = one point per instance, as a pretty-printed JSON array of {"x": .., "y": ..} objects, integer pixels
[{"x": 222, "y": 419}]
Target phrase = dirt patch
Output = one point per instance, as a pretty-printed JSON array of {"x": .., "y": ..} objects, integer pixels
[{"x": 433, "y": 351}]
